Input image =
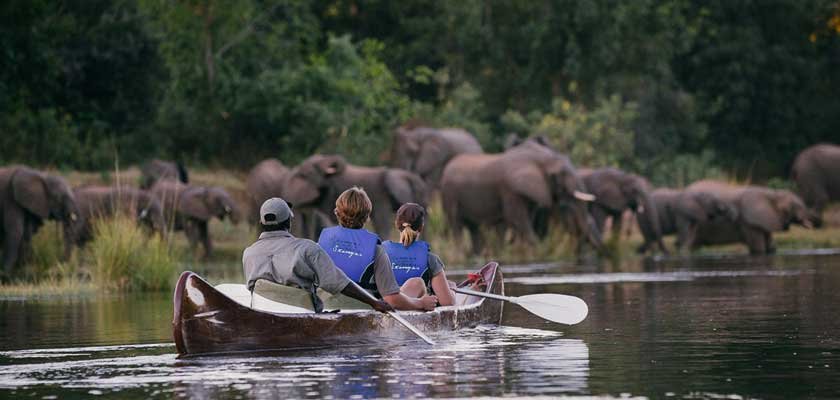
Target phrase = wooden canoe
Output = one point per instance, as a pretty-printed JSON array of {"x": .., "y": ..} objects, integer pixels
[{"x": 207, "y": 321}]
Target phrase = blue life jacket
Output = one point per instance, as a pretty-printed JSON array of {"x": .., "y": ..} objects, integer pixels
[
  {"x": 353, "y": 251},
  {"x": 409, "y": 262}
]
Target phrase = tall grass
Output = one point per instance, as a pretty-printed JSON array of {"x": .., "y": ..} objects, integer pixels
[
  {"x": 47, "y": 252},
  {"x": 455, "y": 248},
  {"x": 123, "y": 257}
]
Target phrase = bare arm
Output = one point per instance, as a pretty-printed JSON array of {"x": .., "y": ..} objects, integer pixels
[
  {"x": 354, "y": 291},
  {"x": 441, "y": 287},
  {"x": 403, "y": 302}
]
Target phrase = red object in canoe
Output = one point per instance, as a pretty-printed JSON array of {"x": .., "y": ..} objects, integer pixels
[{"x": 207, "y": 321}]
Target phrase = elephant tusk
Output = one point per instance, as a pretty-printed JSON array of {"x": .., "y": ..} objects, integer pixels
[
  {"x": 144, "y": 213},
  {"x": 584, "y": 196},
  {"x": 73, "y": 217},
  {"x": 227, "y": 209},
  {"x": 640, "y": 209}
]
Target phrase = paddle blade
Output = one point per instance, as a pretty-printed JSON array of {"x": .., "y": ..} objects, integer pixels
[{"x": 555, "y": 307}]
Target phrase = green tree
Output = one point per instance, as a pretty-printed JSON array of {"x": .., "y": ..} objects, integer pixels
[{"x": 77, "y": 80}]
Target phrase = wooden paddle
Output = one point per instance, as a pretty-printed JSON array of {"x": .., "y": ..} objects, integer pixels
[
  {"x": 558, "y": 308},
  {"x": 400, "y": 319}
]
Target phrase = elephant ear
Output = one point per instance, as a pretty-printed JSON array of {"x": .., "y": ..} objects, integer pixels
[
  {"x": 194, "y": 203},
  {"x": 404, "y": 187},
  {"x": 299, "y": 190},
  {"x": 528, "y": 180},
  {"x": 410, "y": 141},
  {"x": 759, "y": 210},
  {"x": 431, "y": 156},
  {"x": 30, "y": 192}
]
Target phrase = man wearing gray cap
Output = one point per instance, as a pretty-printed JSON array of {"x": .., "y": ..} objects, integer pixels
[{"x": 280, "y": 257}]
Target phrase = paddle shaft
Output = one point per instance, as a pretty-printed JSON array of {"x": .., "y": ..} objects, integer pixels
[
  {"x": 487, "y": 295},
  {"x": 400, "y": 319}
]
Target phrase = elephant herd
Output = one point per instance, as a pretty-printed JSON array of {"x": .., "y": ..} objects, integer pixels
[
  {"x": 531, "y": 184},
  {"x": 526, "y": 190},
  {"x": 165, "y": 202}
]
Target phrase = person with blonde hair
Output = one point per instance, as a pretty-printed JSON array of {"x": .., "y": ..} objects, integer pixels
[
  {"x": 359, "y": 253},
  {"x": 416, "y": 268},
  {"x": 279, "y": 257}
]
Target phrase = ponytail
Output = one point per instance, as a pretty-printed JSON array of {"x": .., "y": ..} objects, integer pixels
[
  {"x": 408, "y": 235},
  {"x": 409, "y": 221}
]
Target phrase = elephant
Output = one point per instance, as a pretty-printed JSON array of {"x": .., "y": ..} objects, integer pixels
[
  {"x": 616, "y": 191},
  {"x": 816, "y": 172},
  {"x": 190, "y": 208},
  {"x": 266, "y": 180},
  {"x": 320, "y": 179},
  {"x": 511, "y": 188},
  {"x": 761, "y": 211},
  {"x": 681, "y": 212},
  {"x": 105, "y": 201},
  {"x": 155, "y": 170},
  {"x": 27, "y": 198},
  {"x": 426, "y": 151}
]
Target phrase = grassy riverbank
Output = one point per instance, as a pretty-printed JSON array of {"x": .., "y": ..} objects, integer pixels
[{"x": 123, "y": 258}]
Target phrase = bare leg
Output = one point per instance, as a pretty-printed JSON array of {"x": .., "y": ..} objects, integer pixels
[{"x": 414, "y": 287}]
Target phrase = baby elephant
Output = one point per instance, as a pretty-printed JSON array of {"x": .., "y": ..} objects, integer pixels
[
  {"x": 190, "y": 208},
  {"x": 681, "y": 212},
  {"x": 96, "y": 202}
]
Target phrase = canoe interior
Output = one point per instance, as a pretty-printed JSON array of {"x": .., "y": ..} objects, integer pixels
[{"x": 208, "y": 321}]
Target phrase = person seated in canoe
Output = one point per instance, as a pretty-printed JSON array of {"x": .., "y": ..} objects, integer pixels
[
  {"x": 360, "y": 255},
  {"x": 282, "y": 258},
  {"x": 416, "y": 268}
]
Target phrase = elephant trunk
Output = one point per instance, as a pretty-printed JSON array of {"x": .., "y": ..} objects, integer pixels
[
  {"x": 578, "y": 197},
  {"x": 648, "y": 216},
  {"x": 70, "y": 232},
  {"x": 232, "y": 212},
  {"x": 586, "y": 225}
]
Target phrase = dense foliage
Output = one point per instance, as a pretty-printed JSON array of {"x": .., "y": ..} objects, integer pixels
[{"x": 673, "y": 89}]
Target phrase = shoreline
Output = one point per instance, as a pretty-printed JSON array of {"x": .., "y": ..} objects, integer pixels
[{"x": 224, "y": 267}]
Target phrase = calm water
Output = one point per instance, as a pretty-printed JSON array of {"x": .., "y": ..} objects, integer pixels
[{"x": 711, "y": 327}]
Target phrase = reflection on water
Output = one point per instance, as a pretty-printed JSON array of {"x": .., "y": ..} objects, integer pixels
[
  {"x": 513, "y": 359},
  {"x": 707, "y": 327}
]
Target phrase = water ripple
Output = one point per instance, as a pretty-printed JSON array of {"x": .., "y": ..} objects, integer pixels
[{"x": 677, "y": 276}]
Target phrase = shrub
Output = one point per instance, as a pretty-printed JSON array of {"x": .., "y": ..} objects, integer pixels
[
  {"x": 596, "y": 137},
  {"x": 684, "y": 169},
  {"x": 123, "y": 257},
  {"x": 47, "y": 252}
]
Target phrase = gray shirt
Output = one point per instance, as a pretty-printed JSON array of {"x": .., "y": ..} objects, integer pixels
[
  {"x": 435, "y": 264},
  {"x": 280, "y": 257}
]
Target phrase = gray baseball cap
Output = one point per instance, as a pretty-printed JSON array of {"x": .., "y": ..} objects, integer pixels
[{"x": 277, "y": 211}]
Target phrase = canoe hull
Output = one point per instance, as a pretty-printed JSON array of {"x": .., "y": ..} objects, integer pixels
[{"x": 206, "y": 321}]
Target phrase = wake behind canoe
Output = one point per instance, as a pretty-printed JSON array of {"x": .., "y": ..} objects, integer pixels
[{"x": 207, "y": 320}]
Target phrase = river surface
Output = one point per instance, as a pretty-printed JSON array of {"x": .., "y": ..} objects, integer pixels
[{"x": 728, "y": 327}]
